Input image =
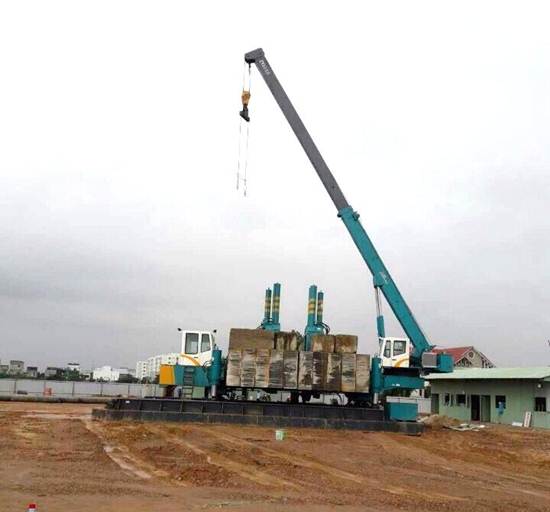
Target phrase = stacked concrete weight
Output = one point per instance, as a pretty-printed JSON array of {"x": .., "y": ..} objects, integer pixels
[{"x": 268, "y": 360}]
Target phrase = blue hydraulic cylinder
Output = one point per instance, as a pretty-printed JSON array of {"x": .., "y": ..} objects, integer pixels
[
  {"x": 311, "y": 306},
  {"x": 384, "y": 281},
  {"x": 380, "y": 329},
  {"x": 276, "y": 306},
  {"x": 215, "y": 369},
  {"x": 271, "y": 309},
  {"x": 320, "y": 297},
  {"x": 267, "y": 307},
  {"x": 380, "y": 326},
  {"x": 376, "y": 377},
  {"x": 311, "y": 328}
]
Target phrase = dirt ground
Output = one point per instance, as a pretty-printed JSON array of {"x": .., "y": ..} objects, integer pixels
[{"x": 56, "y": 456}]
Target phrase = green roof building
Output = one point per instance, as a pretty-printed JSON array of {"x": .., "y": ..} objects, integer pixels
[{"x": 497, "y": 395}]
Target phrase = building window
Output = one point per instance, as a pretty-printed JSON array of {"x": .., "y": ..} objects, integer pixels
[
  {"x": 540, "y": 404},
  {"x": 461, "y": 400},
  {"x": 500, "y": 399},
  {"x": 447, "y": 400}
]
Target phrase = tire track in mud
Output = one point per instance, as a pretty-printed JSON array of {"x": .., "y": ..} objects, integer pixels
[
  {"x": 294, "y": 458},
  {"x": 121, "y": 456},
  {"x": 488, "y": 475},
  {"x": 246, "y": 471}
]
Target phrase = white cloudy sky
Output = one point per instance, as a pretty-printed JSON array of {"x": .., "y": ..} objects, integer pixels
[{"x": 119, "y": 217}]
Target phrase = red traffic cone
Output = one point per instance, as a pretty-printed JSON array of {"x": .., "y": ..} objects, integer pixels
[{"x": 32, "y": 507}]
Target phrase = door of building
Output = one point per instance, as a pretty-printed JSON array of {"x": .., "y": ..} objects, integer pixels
[
  {"x": 485, "y": 408},
  {"x": 435, "y": 403},
  {"x": 475, "y": 408}
]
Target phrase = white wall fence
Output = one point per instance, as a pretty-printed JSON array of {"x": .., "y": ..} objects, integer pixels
[
  {"x": 424, "y": 405},
  {"x": 69, "y": 389}
]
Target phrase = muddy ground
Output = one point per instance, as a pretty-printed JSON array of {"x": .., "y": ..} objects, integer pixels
[{"x": 56, "y": 456}]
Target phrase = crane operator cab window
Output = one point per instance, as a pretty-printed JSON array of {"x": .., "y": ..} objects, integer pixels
[
  {"x": 191, "y": 342},
  {"x": 196, "y": 348},
  {"x": 205, "y": 342},
  {"x": 395, "y": 352}
]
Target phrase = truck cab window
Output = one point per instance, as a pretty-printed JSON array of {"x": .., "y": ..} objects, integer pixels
[
  {"x": 191, "y": 342},
  {"x": 205, "y": 342},
  {"x": 387, "y": 349}
]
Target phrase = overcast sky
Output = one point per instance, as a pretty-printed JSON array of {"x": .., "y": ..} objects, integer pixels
[{"x": 119, "y": 216}]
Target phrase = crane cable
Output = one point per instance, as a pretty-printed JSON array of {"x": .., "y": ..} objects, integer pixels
[{"x": 242, "y": 163}]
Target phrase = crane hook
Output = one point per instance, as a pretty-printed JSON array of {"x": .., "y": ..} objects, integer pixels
[{"x": 245, "y": 97}]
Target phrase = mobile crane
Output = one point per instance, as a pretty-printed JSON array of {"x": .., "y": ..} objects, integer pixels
[{"x": 401, "y": 362}]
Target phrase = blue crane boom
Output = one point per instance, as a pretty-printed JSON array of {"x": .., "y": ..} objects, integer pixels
[{"x": 383, "y": 281}]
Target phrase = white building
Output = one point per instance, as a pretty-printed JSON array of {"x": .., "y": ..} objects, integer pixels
[
  {"x": 150, "y": 368},
  {"x": 142, "y": 370},
  {"x": 73, "y": 367},
  {"x": 109, "y": 374}
]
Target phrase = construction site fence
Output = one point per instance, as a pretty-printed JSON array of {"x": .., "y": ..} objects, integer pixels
[{"x": 73, "y": 389}]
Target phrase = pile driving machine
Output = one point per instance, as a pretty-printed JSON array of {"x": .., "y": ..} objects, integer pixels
[{"x": 401, "y": 361}]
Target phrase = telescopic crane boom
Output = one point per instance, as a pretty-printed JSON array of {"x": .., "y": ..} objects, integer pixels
[{"x": 383, "y": 282}]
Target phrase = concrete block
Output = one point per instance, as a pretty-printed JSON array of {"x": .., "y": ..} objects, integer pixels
[
  {"x": 290, "y": 365},
  {"x": 345, "y": 343},
  {"x": 276, "y": 369},
  {"x": 322, "y": 343},
  {"x": 362, "y": 375},
  {"x": 240, "y": 339},
  {"x": 348, "y": 372},
  {"x": 305, "y": 369},
  {"x": 233, "y": 376},
  {"x": 248, "y": 368}
]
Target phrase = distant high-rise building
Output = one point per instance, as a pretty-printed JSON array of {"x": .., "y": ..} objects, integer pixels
[{"x": 150, "y": 368}]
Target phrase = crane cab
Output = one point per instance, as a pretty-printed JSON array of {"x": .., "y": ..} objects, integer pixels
[
  {"x": 395, "y": 352},
  {"x": 196, "y": 348}
]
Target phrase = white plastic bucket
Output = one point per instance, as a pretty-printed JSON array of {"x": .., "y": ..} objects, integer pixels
[{"x": 280, "y": 435}]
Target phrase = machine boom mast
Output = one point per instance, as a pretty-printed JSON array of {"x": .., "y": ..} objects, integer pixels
[{"x": 382, "y": 278}]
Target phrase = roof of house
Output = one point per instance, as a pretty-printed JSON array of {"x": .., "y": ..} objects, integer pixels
[
  {"x": 537, "y": 373},
  {"x": 456, "y": 352}
]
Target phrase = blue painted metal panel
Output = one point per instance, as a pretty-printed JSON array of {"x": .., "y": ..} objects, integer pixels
[
  {"x": 445, "y": 363},
  {"x": 399, "y": 411},
  {"x": 401, "y": 382},
  {"x": 215, "y": 369}
]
